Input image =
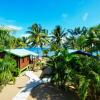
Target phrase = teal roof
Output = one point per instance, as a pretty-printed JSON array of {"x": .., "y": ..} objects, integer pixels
[{"x": 21, "y": 52}]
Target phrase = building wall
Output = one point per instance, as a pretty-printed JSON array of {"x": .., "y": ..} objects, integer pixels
[{"x": 23, "y": 62}]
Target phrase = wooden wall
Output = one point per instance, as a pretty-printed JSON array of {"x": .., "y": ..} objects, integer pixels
[{"x": 24, "y": 61}]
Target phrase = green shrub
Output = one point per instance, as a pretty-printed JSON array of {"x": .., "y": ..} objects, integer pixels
[
  {"x": 16, "y": 72},
  {"x": 81, "y": 71},
  {"x": 8, "y": 70}
]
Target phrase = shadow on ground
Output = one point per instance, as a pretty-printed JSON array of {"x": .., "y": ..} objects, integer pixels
[
  {"x": 49, "y": 92},
  {"x": 30, "y": 85}
]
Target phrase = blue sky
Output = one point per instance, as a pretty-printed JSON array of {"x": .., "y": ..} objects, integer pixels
[{"x": 67, "y": 13}]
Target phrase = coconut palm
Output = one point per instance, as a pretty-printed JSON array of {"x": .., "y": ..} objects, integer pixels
[
  {"x": 4, "y": 38},
  {"x": 71, "y": 42},
  {"x": 21, "y": 42},
  {"x": 81, "y": 42},
  {"x": 76, "y": 39},
  {"x": 77, "y": 31},
  {"x": 38, "y": 36},
  {"x": 25, "y": 40},
  {"x": 57, "y": 38},
  {"x": 93, "y": 39},
  {"x": 96, "y": 31}
]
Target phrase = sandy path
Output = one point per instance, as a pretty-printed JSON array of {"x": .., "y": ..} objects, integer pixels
[
  {"x": 9, "y": 91},
  {"x": 38, "y": 73}
]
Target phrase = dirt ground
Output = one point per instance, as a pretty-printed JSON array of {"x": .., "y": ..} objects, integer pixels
[
  {"x": 41, "y": 92},
  {"x": 49, "y": 92},
  {"x": 38, "y": 73},
  {"x": 9, "y": 91}
]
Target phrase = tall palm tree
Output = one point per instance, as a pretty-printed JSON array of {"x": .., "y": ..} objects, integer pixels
[
  {"x": 76, "y": 39},
  {"x": 57, "y": 38},
  {"x": 25, "y": 40},
  {"x": 4, "y": 38},
  {"x": 97, "y": 39},
  {"x": 80, "y": 42},
  {"x": 77, "y": 31},
  {"x": 93, "y": 39},
  {"x": 20, "y": 43},
  {"x": 38, "y": 36}
]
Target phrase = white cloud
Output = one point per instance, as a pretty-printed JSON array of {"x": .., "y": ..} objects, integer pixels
[
  {"x": 85, "y": 16},
  {"x": 11, "y": 27},
  {"x": 9, "y": 24}
]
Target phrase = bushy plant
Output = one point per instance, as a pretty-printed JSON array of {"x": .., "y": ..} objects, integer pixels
[
  {"x": 7, "y": 70},
  {"x": 81, "y": 71}
]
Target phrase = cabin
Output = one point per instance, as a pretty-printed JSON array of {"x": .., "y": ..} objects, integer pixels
[{"x": 23, "y": 57}]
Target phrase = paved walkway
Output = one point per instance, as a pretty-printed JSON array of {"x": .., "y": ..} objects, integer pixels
[{"x": 33, "y": 82}]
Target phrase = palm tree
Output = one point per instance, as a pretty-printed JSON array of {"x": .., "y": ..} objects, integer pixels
[
  {"x": 97, "y": 39},
  {"x": 76, "y": 39},
  {"x": 71, "y": 42},
  {"x": 57, "y": 38},
  {"x": 4, "y": 38},
  {"x": 78, "y": 31},
  {"x": 93, "y": 39},
  {"x": 24, "y": 40},
  {"x": 38, "y": 36}
]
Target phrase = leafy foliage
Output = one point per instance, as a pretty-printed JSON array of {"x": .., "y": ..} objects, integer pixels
[
  {"x": 8, "y": 41},
  {"x": 38, "y": 35},
  {"x": 7, "y": 70},
  {"x": 73, "y": 69},
  {"x": 58, "y": 35}
]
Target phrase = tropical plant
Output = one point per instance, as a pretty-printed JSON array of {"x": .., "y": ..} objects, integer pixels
[
  {"x": 38, "y": 36},
  {"x": 93, "y": 39},
  {"x": 7, "y": 70},
  {"x": 21, "y": 42},
  {"x": 57, "y": 38},
  {"x": 76, "y": 39},
  {"x": 4, "y": 38},
  {"x": 77, "y": 31},
  {"x": 45, "y": 52},
  {"x": 68, "y": 69}
]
